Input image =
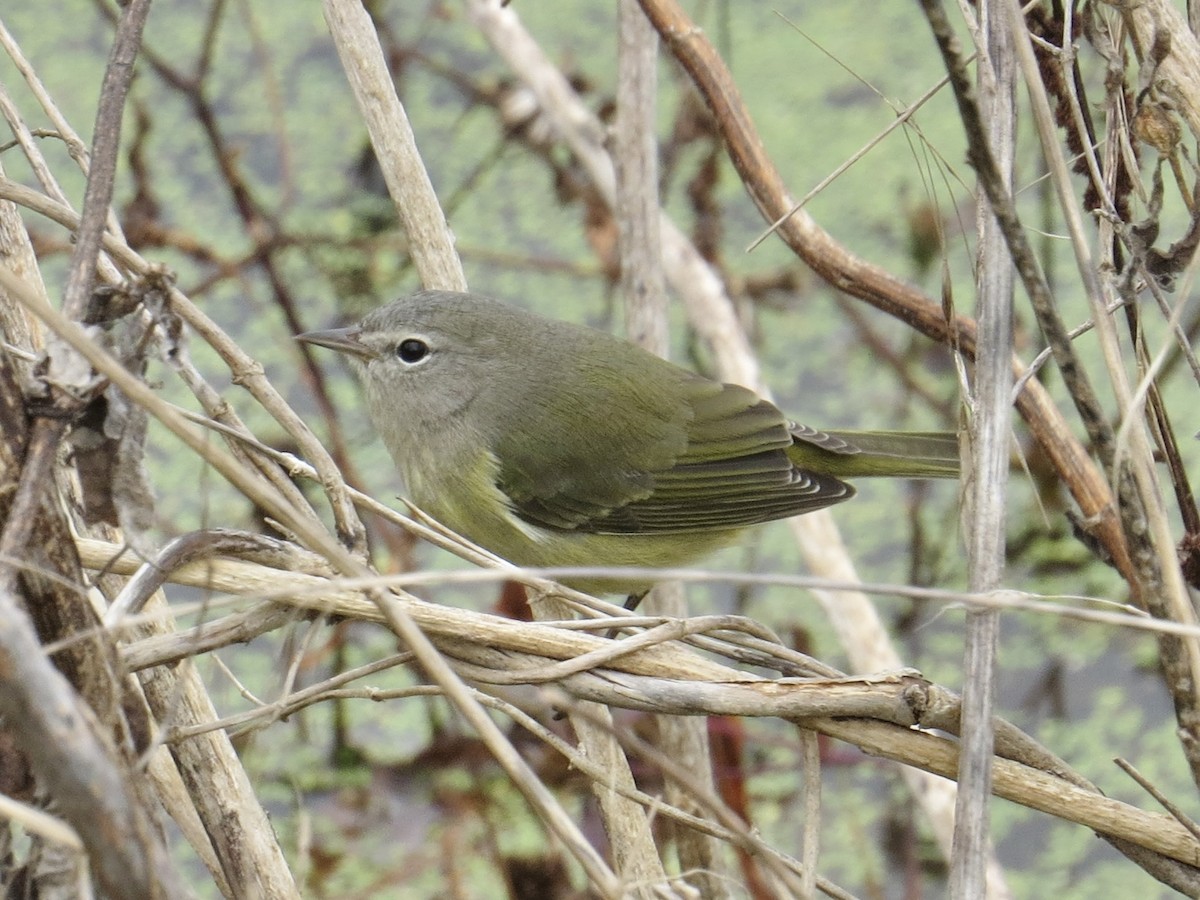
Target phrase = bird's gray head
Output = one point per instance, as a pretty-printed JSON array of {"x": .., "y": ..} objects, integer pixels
[{"x": 425, "y": 360}]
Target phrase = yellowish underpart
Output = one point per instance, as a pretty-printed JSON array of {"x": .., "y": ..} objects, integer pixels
[{"x": 471, "y": 504}]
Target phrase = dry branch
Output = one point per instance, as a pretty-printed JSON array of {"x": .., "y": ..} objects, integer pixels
[
  {"x": 858, "y": 278},
  {"x": 985, "y": 515},
  {"x": 712, "y": 316},
  {"x": 670, "y": 679},
  {"x": 655, "y": 667}
]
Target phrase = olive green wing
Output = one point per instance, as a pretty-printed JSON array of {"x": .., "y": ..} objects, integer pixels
[
  {"x": 623, "y": 429},
  {"x": 715, "y": 459}
]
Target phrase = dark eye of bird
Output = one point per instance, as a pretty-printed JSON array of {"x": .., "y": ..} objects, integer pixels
[{"x": 412, "y": 350}]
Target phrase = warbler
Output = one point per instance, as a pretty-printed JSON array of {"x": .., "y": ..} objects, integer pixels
[{"x": 556, "y": 445}]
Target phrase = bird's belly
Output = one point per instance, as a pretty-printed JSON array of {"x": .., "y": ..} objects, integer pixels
[
  {"x": 470, "y": 504},
  {"x": 534, "y": 547}
]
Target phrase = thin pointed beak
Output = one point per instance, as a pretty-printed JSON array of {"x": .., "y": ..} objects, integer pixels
[{"x": 343, "y": 340}]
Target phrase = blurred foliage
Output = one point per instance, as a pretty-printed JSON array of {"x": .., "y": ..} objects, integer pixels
[{"x": 316, "y": 242}]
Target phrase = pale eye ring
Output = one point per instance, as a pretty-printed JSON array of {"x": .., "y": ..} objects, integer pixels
[{"x": 412, "y": 350}]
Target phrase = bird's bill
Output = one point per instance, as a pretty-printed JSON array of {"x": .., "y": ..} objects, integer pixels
[{"x": 343, "y": 340}]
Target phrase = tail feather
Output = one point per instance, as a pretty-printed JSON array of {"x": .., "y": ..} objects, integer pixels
[{"x": 894, "y": 454}]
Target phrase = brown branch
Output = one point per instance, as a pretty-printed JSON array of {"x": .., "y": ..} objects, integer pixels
[
  {"x": 268, "y": 239},
  {"x": 1158, "y": 585},
  {"x": 106, "y": 142},
  {"x": 78, "y": 766},
  {"x": 67, "y": 715},
  {"x": 669, "y": 679},
  {"x": 868, "y": 282},
  {"x": 47, "y": 431},
  {"x": 79, "y": 755}
]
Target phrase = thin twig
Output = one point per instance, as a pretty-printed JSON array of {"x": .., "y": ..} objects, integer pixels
[
  {"x": 1183, "y": 818},
  {"x": 1156, "y": 580}
]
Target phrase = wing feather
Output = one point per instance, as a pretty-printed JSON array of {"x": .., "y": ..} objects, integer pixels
[{"x": 717, "y": 461}]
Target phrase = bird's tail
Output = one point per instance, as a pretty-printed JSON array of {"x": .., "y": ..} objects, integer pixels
[{"x": 891, "y": 454}]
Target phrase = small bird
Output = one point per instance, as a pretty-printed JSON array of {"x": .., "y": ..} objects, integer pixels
[{"x": 556, "y": 445}]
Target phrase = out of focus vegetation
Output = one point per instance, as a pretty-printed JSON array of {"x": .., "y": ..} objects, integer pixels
[{"x": 247, "y": 171}]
